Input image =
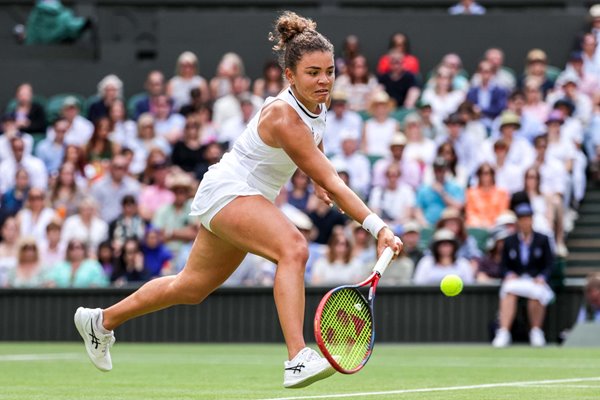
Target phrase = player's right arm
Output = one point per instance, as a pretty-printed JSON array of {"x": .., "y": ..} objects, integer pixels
[{"x": 280, "y": 126}]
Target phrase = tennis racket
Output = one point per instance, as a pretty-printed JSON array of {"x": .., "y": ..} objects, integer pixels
[{"x": 344, "y": 323}]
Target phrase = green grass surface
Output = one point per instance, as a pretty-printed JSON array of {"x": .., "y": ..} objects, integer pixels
[{"x": 232, "y": 371}]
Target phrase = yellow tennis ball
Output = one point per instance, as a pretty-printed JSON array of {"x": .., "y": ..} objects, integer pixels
[{"x": 451, "y": 285}]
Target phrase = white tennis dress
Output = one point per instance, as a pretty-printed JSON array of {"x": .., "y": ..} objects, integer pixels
[{"x": 252, "y": 167}]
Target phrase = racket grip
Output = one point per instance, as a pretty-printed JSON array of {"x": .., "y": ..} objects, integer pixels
[{"x": 384, "y": 261}]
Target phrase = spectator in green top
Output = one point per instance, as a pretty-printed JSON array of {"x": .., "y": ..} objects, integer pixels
[{"x": 78, "y": 270}]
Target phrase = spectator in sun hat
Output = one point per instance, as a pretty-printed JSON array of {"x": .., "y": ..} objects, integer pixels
[
  {"x": 173, "y": 218},
  {"x": 411, "y": 172},
  {"x": 567, "y": 87},
  {"x": 536, "y": 65},
  {"x": 380, "y": 128},
  {"x": 520, "y": 152},
  {"x": 530, "y": 126},
  {"x": 80, "y": 129},
  {"x": 468, "y": 248},
  {"x": 433, "y": 198},
  {"x": 340, "y": 118},
  {"x": 410, "y": 233},
  {"x": 443, "y": 260}
]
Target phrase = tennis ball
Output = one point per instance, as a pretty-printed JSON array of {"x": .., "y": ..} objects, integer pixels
[{"x": 451, "y": 285}]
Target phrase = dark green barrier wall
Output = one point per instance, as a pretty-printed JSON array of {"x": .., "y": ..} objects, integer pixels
[
  {"x": 405, "y": 314},
  {"x": 137, "y": 36}
]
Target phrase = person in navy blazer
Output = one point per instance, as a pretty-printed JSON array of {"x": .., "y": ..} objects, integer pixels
[
  {"x": 487, "y": 96},
  {"x": 527, "y": 262}
]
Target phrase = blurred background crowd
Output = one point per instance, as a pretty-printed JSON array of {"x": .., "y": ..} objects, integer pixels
[{"x": 95, "y": 188}]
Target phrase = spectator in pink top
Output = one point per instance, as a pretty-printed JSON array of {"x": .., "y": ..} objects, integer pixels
[{"x": 155, "y": 195}]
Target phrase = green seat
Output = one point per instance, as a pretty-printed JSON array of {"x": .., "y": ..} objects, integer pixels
[
  {"x": 400, "y": 113},
  {"x": 364, "y": 114},
  {"x": 481, "y": 236},
  {"x": 373, "y": 158},
  {"x": 425, "y": 239},
  {"x": 552, "y": 72},
  {"x": 132, "y": 102},
  {"x": 55, "y": 104}
]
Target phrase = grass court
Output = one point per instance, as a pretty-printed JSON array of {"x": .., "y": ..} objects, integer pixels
[{"x": 61, "y": 371}]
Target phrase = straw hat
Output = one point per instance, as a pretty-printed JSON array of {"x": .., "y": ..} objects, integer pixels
[
  {"x": 380, "y": 97},
  {"x": 444, "y": 235},
  {"x": 180, "y": 180}
]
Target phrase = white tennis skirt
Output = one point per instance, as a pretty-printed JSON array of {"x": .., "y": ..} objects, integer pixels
[
  {"x": 525, "y": 286},
  {"x": 216, "y": 190}
]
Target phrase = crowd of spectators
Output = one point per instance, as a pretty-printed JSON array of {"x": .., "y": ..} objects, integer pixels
[{"x": 95, "y": 191}]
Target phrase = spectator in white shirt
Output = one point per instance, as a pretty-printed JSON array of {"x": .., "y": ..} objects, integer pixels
[
  {"x": 80, "y": 129},
  {"x": 340, "y": 118},
  {"x": 35, "y": 167},
  {"x": 358, "y": 165}
]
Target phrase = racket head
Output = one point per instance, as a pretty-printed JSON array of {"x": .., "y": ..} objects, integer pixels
[{"x": 344, "y": 329}]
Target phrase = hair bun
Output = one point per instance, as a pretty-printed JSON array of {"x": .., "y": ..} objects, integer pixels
[{"x": 289, "y": 25}]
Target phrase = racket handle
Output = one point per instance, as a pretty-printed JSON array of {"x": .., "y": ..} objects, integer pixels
[{"x": 383, "y": 261}]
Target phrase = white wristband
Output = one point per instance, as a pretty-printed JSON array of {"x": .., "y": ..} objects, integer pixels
[{"x": 373, "y": 224}]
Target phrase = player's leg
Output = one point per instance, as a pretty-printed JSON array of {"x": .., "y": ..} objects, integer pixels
[
  {"x": 211, "y": 261},
  {"x": 254, "y": 224}
]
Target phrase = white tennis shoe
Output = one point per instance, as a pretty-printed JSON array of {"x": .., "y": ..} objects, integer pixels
[
  {"x": 97, "y": 344},
  {"x": 503, "y": 338},
  {"x": 306, "y": 368},
  {"x": 536, "y": 337}
]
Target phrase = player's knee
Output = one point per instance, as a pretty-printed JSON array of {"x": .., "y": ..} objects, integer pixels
[{"x": 295, "y": 253}]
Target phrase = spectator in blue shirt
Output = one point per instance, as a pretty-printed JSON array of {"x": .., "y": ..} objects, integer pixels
[{"x": 432, "y": 199}]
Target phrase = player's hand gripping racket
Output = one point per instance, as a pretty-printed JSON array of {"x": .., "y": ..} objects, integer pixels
[{"x": 344, "y": 323}]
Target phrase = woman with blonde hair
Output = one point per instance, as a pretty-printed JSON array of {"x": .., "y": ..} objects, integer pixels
[
  {"x": 29, "y": 272},
  {"x": 186, "y": 78}
]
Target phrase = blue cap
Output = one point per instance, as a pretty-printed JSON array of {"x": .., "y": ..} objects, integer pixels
[{"x": 523, "y": 210}]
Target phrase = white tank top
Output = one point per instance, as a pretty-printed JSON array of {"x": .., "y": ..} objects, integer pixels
[{"x": 257, "y": 165}]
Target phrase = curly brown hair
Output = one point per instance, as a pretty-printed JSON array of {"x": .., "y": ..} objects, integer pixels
[{"x": 295, "y": 36}]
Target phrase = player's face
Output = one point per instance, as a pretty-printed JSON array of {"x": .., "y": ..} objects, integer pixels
[{"x": 313, "y": 78}]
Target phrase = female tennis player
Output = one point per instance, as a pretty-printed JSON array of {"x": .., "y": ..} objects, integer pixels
[{"x": 235, "y": 205}]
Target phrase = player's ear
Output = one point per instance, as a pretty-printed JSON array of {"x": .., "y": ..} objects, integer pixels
[{"x": 289, "y": 75}]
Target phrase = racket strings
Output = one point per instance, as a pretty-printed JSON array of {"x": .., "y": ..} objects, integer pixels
[{"x": 347, "y": 327}]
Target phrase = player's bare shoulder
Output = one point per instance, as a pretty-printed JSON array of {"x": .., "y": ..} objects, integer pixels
[{"x": 277, "y": 119}]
